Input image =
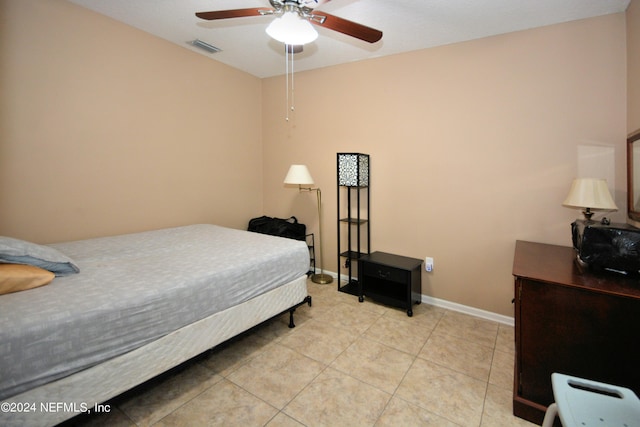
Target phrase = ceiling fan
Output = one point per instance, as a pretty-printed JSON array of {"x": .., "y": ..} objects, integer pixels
[{"x": 299, "y": 13}]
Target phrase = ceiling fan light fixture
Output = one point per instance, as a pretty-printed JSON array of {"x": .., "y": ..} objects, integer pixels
[{"x": 291, "y": 29}]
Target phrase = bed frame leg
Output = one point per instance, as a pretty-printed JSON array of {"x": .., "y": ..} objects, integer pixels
[
  {"x": 291, "y": 324},
  {"x": 307, "y": 300}
]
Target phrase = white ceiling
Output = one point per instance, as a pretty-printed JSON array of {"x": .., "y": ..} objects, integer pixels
[{"x": 407, "y": 25}]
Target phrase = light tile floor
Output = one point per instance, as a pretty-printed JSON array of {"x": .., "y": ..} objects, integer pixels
[{"x": 345, "y": 364}]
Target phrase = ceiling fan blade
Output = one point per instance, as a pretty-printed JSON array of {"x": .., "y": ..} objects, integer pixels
[
  {"x": 231, "y": 13},
  {"x": 347, "y": 27}
]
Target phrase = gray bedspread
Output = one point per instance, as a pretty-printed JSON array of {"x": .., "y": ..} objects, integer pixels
[{"x": 131, "y": 290}]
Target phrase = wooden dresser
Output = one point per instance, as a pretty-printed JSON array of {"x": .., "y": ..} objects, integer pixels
[{"x": 584, "y": 324}]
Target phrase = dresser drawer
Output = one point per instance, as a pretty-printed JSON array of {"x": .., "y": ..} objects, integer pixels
[{"x": 384, "y": 272}]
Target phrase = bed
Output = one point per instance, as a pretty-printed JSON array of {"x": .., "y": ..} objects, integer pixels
[{"x": 138, "y": 305}]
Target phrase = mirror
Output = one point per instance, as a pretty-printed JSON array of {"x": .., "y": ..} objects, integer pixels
[{"x": 633, "y": 176}]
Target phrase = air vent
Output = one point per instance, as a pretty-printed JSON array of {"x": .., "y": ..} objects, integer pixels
[{"x": 204, "y": 46}]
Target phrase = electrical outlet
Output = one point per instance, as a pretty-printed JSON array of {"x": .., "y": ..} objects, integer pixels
[{"x": 428, "y": 264}]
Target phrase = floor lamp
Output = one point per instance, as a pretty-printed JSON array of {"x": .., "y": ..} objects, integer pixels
[{"x": 299, "y": 175}]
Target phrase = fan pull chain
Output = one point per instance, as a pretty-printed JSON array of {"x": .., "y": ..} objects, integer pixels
[
  {"x": 293, "y": 89},
  {"x": 286, "y": 69},
  {"x": 290, "y": 88}
]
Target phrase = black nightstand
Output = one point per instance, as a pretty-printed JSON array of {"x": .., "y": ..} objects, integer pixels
[{"x": 390, "y": 279}]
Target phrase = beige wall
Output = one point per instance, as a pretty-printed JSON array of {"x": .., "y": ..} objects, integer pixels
[
  {"x": 105, "y": 129},
  {"x": 472, "y": 145},
  {"x": 633, "y": 66}
]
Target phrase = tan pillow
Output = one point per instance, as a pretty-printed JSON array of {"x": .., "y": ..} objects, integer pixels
[{"x": 18, "y": 277}]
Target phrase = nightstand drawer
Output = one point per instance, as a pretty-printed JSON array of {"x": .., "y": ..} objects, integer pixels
[{"x": 384, "y": 272}]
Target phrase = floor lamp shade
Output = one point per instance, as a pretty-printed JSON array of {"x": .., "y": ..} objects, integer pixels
[{"x": 298, "y": 175}]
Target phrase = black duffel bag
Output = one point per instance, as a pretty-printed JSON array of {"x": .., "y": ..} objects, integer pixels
[{"x": 289, "y": 227}]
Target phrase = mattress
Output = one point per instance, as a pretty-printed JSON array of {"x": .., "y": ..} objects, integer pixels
[
  {"x": 101, "y": 382},
  {"x": 132, "y": 290}
]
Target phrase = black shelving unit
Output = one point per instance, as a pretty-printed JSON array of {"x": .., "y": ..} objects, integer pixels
[
  {"x": 311, "y": 244},
  {"x": 354, "y": 230}
]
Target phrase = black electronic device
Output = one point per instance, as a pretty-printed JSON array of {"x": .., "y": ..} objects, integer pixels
[{"x": 612, "y": 247}]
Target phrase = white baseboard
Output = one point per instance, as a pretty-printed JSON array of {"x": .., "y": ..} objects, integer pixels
[
  {"x": 465, "y": 309},
  {"x": 472, "y": 311}
]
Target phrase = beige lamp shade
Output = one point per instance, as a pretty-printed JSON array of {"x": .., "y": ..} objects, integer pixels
[
  {"x": 298, "y": 175},
  {"x": 590, "y": 194}
]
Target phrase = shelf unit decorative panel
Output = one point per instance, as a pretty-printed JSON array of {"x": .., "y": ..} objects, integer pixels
[{"x": 354, "y": 230}]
